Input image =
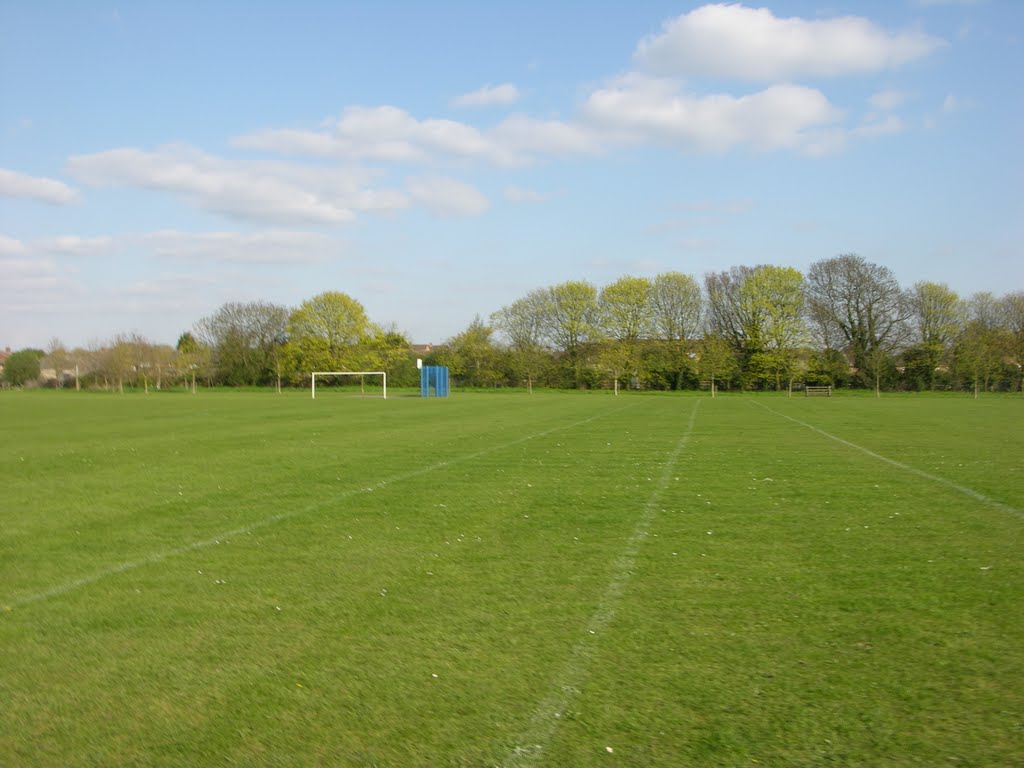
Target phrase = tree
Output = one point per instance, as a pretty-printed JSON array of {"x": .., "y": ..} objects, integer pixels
[
  {"x": 522, "y": 322},
  {"x": 471, "y": 355},
  {"x": 983, "y": 343},
  {"x": 773, "y": 303},
  {"x": 571, "y": 315},
  {"x": 121, "y": 360},
  {"x": 675, "y": 307},
  {"x": 625, "y": 317},
  {"x": 245, "y": 340},
  {"x": 325, "y": 332},
  {"x": 571, "y": 321},
  {"x": 728, "y": 313},
  {"x": 1013, "y": 318},
  {"x": 625, "y": 309},
  {"x": 22, "y": 367},
  {"x": 863, "y": 304},
  {"x": 938, "y": 316},
  {"x": 717, "y": 360},
  {"x": 760, "y": 312},
  {"x": 193, "y": 358},
  {"x": 616, "y": 358},
  {"x": 57, "y": 358}
]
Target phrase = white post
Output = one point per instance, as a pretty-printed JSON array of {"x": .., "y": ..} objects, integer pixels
[
  {"x": 313, "y": 384},
  {"x": 385, "y": 374}
]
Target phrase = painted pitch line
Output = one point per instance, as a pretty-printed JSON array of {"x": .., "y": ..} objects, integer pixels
[
  {"x": 969, "y": 492},
  {"x": 546, "y": 718},
  {"x": 156, "y": 557}
]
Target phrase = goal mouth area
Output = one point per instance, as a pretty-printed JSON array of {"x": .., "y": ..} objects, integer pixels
[{"x": 383, "y": 391}]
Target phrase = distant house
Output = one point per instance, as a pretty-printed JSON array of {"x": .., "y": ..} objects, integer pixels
[
  {"x": 423, "y": 349},
  {"x": 3, "y": 358}
]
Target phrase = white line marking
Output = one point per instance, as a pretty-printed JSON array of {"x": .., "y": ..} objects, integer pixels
[
  {"x": 545, "y": 719},
  {"x": 977, "y": 496},
  {"x": 157, "y": 557}
]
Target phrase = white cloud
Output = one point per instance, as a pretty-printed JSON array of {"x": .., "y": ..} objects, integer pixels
[
  {"x": 10, "y": 246},
  {"x": 73, "y": 245},
  {"x": 952, "y": 104},
  {"x": 753, "y": 44},
  {"x": 257, "y": 191},
  {"x": 268, "y": 247},
  {"x": 506, "y": 93},
  {"x": 523, "y": 195},
  {"x": 887, "y": 100},
  {"x": 390, "y": 134},
  {"x": 638, "y": 109},
  {"x": 384, "y": 133},
  {"x": 527, "y": 137},
  {"x": 274, "y": 246},
  {"x": 24, "y": 277},
  {"x": 873, "y": 127},
  {"x": 447, "y": 197},
  {"x": 15, "y": 184}
]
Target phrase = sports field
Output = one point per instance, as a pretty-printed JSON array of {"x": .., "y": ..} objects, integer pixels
[{"x": 508, "y": 580}]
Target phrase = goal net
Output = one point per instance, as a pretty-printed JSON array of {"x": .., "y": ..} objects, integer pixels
[{"x": 361, "y": 376}]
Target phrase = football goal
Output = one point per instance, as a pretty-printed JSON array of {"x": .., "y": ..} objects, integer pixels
[{"x": 362, "y": 380}]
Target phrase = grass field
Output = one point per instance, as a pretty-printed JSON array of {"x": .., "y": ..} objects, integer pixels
[{"x": 504, "y": 580}]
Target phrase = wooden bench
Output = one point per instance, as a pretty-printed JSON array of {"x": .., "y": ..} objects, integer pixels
[{"x": 818, "y": 391}]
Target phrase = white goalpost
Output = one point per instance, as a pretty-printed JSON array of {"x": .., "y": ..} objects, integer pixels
[{"x": 382, "y": 374}]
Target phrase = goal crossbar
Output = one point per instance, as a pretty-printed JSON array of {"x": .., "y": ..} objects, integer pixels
[{"x": 382, "y": 374}]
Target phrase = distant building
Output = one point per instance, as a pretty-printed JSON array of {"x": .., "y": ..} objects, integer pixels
[{"x": 424, "y": 349}]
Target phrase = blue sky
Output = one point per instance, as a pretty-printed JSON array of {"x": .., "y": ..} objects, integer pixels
[{"x": 439, "y": 160}]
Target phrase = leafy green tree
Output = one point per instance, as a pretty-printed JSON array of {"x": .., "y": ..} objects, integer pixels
[
  {"x": 193, "y": 359},
  {"x": 676, "y": 306},
  {"x": 773, "y": 302},
  {"x": 387, "y": 349},
  {"x": 717, "y": 360},
  {"x": 938, "y": 316},
  {"x": 472, "y": 356},
  {"x": 1013, "y": 317},
  {"x": 22, "y": 367},
  {"x": 676, "y": 311},
  {"x": 827, "y": 367},
  {"x": 325, "y": 333},
  {"x": 571, "y": 322},
  {"x": 625, "y": 316},
  {"x": 625, "y": 309},
  {"x": 983, "y": 344}
]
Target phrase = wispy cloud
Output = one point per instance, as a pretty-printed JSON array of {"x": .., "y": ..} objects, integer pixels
[
  {"x": 16, "y": 184},
  {"x": 275, "y": 192},
  {"x": 887, "y": 100},
  {"x": 267, "y": 247},
  {"x": 523, "y": 195},
  {"x": 447, "y": 197},
  {"x": 503, "y": 94}
]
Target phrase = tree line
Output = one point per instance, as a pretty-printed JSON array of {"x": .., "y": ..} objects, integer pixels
[{"x": 847, "y": 322}]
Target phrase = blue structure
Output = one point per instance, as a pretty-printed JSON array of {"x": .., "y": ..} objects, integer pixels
[{"x": 435, "y": 376}]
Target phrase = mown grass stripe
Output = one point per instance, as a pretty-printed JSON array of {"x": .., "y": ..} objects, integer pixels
[
  {"x": 970, "y": 492},
  {"x": 546, "y": 718},
  {"x": 216, "y": 539}
]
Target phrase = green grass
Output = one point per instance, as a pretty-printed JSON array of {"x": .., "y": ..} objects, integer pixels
[{"x": 504, "y": 579}]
